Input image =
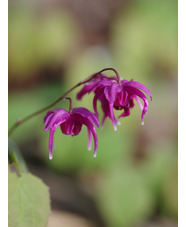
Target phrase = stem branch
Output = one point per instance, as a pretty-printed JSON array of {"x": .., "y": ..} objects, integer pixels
[{"x": 21, "y": 121}]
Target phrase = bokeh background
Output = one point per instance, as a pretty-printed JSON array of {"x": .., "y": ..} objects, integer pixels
[{"x": 54, "y": 44}]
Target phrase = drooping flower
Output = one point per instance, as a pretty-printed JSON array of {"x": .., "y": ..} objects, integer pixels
[
  {"x": 71, "y": 123},
  {"x": 117, "y": 94}
]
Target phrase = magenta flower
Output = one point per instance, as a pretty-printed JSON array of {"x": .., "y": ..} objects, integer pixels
[
  {"x": 71, "y": 124},
  {"x": 117, "y": 94}
]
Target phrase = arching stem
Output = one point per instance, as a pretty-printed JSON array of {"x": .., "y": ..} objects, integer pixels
[
  {"x": 70, "y": 104},
  {"x": 21, "y": 121}
]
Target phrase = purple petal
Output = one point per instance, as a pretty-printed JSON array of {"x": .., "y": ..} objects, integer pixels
[
  {"x": 71, "y": 126},
  {"x": 125, "y": 113},
  {"x": 48, "y": 119},
  {"x": 140, "y": 86},
  {"x": 55, "y": 118},
  {"x": 92, "y": 85},
  {"x": 48, "y": 113},
  {"x": 112, "y": 91},
  {"x": 87, "y": 114},
  {"x": 92, "y": 129},
  {"x": 103, "y": 120},
  {"x": 105, "y": 107},
  {"x": 89, "y": 140},
  {"x": 101, "y": 84},
  {"x": 51, "y": 143},
  {"x": 112, "y": 117},
  {"x": 96, "y": 97},
  {"x": 139, "y": 102},
  {"x": 121, "y": 100},
  {"x": 84, "y": 90},
  {"x": 124, "y": 81},
  {"x": 143, "y": 97}
]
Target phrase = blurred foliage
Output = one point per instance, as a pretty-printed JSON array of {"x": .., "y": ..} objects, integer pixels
[
  {"x": 123, "y": 196},
  {"x": 160, "y": 172},
  {"x": 28, "y": 201},
  {"x": 38, "y": 38},
  {"x": 20, "y": 106},
  {"x": 89, "y": 61},
  {"x": 136, "y": 167},
  {"x": 16, "y": 158},
  {"x": 144, "y": 39},
  {"x": 170, "y": 194},
  {"x": 72, "y": 154}
]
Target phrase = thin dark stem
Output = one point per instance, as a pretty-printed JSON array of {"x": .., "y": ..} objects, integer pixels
[
  {"x": 112, "y": 69},
  {"x": 117, "y": 75},
  {"x": 21, "y": 121},
  {"x": 70, "y": 104}
]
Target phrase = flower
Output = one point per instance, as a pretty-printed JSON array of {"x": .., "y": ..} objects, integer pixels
[
  {"x": 71, "y": 123},
  {"x": 117, "y": 94}
]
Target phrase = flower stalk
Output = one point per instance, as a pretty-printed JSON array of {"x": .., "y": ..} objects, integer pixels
[
  {"x": 21, "y": 121},
  {"x": 70, "y": 104}
]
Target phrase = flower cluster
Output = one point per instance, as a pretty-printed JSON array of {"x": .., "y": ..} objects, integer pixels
[{"x": 112, "y": 92}]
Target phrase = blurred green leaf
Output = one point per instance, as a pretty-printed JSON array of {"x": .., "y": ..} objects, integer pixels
[
  {"x": 144, "y": 39},
  {"x": 158, "y": 167},
  {"x": 124, "y": 198},
  {"x": 22, "y": 104},
  {"x": 70, "y": 153},
  {"x": 56, "y": 32},
  {"x": 16, "y": 157},
  {"x": 87, "y": 62},
  {"x": 170, "y": 194},
  {"x": 160, "y": 174},
  {"x": 22, "y": 58},
  {"x": 35, "y": 40},
  {"x": 29, "y": 203}
]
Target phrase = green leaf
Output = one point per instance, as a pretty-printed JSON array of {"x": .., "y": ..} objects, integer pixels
[
  {"x": 16, "y": 157},
  {"x": 28, "y": 202}
]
